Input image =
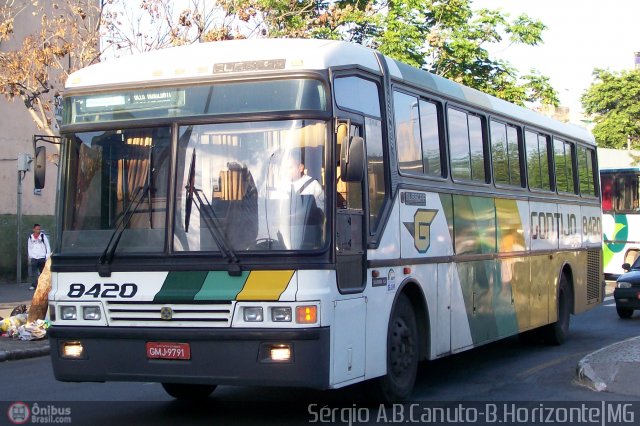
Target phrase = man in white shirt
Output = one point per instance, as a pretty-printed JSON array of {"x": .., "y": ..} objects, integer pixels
[
  {"x": 300, "y": 221},
  {"x": 302, "y": 183},
  {"x": 38, "y": 250}
]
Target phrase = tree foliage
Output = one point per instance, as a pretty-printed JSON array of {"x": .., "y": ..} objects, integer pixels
[
  {"x": 34, "y": 66},
  {"x": 446, "y": 37},
  {"x": 613, "y": 99}
]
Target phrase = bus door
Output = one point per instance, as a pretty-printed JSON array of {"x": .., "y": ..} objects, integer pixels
[
  {"x": 360, "y": 194},
  {"x": 350, "y": 311}
]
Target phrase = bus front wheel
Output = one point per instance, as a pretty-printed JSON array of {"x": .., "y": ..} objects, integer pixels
[
  {"x": 402, "y": 356},
  {"x": 188, "y": 391}
]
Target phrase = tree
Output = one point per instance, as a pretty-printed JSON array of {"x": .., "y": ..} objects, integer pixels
[
  {"x": 613, "y": 99},
  {"x": 447, "y": 38},
  {"x": 456, "y": 39},
  {"x": 34, "y": 68}
]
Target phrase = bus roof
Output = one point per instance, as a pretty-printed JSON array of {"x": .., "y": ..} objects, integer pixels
[
  {"x": 620, "y": 170},
  {"x": 204, "y": 61}
]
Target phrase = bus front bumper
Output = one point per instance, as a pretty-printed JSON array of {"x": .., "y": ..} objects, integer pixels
[{"x": 217, "y": 356}]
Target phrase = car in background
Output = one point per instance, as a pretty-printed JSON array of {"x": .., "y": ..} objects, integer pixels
[{"x": 627, "y": 291}]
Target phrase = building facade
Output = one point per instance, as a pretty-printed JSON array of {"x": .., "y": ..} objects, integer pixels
[{"x": 17, "y": 130}]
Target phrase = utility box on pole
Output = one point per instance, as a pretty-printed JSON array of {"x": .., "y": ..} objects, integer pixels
[{"x": 24, "y": 161}]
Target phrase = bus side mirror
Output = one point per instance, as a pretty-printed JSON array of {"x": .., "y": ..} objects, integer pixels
[
  {"x": 352, "y": 159},
  {"x": 626, "y": 267},
  {"x": 40, "y": 167}
]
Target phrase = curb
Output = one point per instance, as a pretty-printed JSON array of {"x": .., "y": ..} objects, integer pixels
[
  {"x": 15, "y": 354},
  {"x": 604, "y": 369},
  {"x": 588, "y": 377}
]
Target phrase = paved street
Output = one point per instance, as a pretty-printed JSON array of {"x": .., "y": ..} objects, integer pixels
[{"x": 504, "y": 371}]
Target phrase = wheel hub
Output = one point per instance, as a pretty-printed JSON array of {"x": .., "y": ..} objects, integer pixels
[{"x": 402, "y": 348}]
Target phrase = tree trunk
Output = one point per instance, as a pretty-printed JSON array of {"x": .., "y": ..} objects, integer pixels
[{"x": 40, "y": 300}]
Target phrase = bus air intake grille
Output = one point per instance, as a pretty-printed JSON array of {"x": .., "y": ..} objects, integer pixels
[
  {"x": 594, "y": 275},
  {"x": 150, "y": 314}
]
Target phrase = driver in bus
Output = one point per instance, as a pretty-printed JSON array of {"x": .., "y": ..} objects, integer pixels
[
  {"x": 302, "y": 183},
  {"x": 300, "y": 219}
]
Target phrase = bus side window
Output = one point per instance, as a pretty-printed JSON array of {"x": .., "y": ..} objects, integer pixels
[
  {"x": 564, "y": 156},
  {"x": 349, "y": 194},
  {"x": 607, "y": 193},
  {"x": 466, "y": 145},
  {"x": 585, "y": 172},
  {"x": 375, "y": 170},
  {"x": 417, "y": 135},
  {"x": 538, "y": 170},
  {"x": 632, "y": 185}
]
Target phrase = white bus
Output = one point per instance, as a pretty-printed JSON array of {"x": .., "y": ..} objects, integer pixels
[
  {"x": 620, "y": 218},
  {"x": 308, "y": 213}
]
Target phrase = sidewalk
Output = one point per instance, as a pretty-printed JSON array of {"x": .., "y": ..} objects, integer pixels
[
  {"x": 613, "y": 368},
  {"x": 11, "y": 295}
]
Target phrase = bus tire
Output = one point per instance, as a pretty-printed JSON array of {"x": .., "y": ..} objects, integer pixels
[
  {"x": 188, "y": 391},
  {"x": 402, "y": 356},
  {"x": 556, "y": 333},
  {"x": 624, "y": 313}
]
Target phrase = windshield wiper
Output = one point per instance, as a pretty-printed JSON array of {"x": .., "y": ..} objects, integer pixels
[
  {"x": 210, "y": 219},
  {"x": 104, "y": 263}
]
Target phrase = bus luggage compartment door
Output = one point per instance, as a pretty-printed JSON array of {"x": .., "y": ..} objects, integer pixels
[{"x": 349, "y": 339}]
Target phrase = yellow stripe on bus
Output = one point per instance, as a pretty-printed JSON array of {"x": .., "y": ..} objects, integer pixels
[{"x": 265, "y": 285}]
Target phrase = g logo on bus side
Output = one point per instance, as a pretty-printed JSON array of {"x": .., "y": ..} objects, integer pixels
[{"x": 421, "y": 228}]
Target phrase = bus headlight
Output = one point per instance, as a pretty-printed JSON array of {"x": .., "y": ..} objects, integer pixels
[
  {"x": 91, "y": 313},
  {"x": 281, "y": 314},
  {"x": 252, "y": 313},
  {"x": 68, "y": 312}
]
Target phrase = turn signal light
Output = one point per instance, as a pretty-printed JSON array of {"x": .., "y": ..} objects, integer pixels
[{"x": 306, "y": 314}]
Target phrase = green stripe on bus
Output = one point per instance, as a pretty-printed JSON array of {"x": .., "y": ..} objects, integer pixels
[
  {"x": 447, "y": 206},
  {"x": 181, "y": 286},
  {"x": 504, "y": 304},
  {"x": 219, "y": 285},
  {"x": 487, "y": 300},
  {"x": 620, "y": 233},
  {"x": 474, "y": 225}
]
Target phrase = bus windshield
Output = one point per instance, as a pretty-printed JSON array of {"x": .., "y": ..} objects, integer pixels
[
  {"x": 113, "y": 177},
  {"x": 251, "y": 186}
]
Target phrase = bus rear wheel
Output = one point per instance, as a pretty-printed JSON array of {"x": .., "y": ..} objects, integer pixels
[
  {"x": 188, "y": 391},
  {"x": 402, "y": 356},
  {"x": 556, "y": 333}
]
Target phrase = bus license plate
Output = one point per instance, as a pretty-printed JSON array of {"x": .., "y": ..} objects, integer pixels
[{"x": 168, "y": 350}]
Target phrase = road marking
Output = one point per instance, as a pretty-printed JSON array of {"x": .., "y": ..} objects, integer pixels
[{"x": 551, "y": 363}]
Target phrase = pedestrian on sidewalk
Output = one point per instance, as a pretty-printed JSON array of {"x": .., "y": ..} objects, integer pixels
[{"x": 38, "y": 250}]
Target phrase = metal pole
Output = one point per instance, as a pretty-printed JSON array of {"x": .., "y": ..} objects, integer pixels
[{"x": 19, "y": 227}]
